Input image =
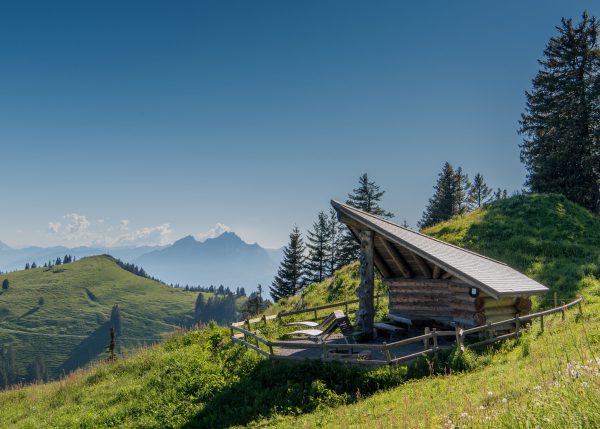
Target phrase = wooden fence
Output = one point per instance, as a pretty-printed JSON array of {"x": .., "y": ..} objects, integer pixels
[{"x": 429, "y": 338}]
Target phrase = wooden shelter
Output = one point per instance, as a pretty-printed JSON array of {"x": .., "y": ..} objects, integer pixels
[{"x": 429, "y": 279}]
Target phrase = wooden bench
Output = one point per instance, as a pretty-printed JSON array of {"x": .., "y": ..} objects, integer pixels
[{"x": 391, "y": 330}]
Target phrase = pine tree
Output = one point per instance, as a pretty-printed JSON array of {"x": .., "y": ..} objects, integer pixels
[
  {"x": 319, "y": 249},
  {"x": 366, "y": 198},
  {"x": 33, "y": 265},
  {"x": 115, "y": 320},
  {"x": 561, "y": 123},
  {"x": 442, "y": 204},
  {"x": 5, "y": 284},
  {"x": 200, "y": 307},
  {"x": 290, "y": 275},
  {"x": 461, "y": 190},
  {"x": 479, "y": 193},
  {"x": 27, "y": 266},
  {"x": 336, "y": 235}
]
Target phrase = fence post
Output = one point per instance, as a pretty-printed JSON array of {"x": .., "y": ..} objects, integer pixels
[
  {"x": 489, "y": 329},
  {"x": 435, "y": 339},
  {"x": 388, "y": 357},
  {"x": 270, "y": 348},
  {"x": 555, "y": 300},
  {"x": 542, "y": 323},
  {"x": 315, "y": 314},
  {"x": 346, "y": 308},
  {"x": 579, "y": 306},
  {"x": 517, "y": 324},
  {"x": 231, "y": 330},
  {"x": 460, "y": 341},
  {"x": 264, "y": 318},
  {"x": 562, "y": 310},
  {"x": 426, "y": 340}
]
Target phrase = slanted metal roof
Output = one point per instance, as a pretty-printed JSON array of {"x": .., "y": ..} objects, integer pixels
[{"x": 493, "y": 277}]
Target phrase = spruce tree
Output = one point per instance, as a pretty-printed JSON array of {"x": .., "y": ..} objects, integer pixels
[
  {"x": 115, "y": 319},
  {"x": 290, "y": 275},
  {"x": 479, "y": 193},
  {"x": 442, "y": 204},
  {"x": 365, "y": 197},
  {"x": 5, "y": 284},
  {"x": 336, "y": 236},
  {"x": 319, "y": 249},
  {"x": 200, "y": 307},
  {"x": 561, "y": 123},
  {"x": 461, "y": 190}
]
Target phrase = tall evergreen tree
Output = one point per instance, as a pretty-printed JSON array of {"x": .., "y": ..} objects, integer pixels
[
  {"x": 290, "y": 275},
  {"x": 561, "y": 123},
  {"x": 461, "y": 190},
  {"x": 115, "y": 320},
  {"x": 365, "y": 197},
  {"x": 479, "y": 193},
  {"x": 5, "y": 284},
  {"x": 200, "y": 306},
  {"x": 336, "y": 235},
  {"x": 442, "y": 204},
  {"x": 319, "y": 249}
]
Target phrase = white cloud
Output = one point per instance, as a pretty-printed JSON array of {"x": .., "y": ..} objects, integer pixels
[
  {"x": 159, "y": 234},
  {"x": 77, "y": 224},
  {"x": 213, "y": 232},
  {"x": 54, "y": 227},
  {"x": 76, "y": 229}
]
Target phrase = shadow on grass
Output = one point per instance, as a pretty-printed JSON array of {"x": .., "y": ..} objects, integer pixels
[
  {"x": 291, "y": 388},
  {"x": 88, "y": 349}
]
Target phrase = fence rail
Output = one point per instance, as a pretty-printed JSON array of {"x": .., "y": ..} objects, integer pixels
[{"x": 429, "y": 338}]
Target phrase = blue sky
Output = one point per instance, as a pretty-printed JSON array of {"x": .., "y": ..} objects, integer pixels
[{"x": 141, "y": 122}]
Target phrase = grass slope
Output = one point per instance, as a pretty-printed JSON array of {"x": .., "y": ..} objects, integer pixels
[
  {"x": 71, "y": 326},
  {"x": 200, "y": 379}
]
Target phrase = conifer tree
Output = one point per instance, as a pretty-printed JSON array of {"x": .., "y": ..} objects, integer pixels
[
  {"x": 461, "y": 190},
  {"x": 561, "y": 123},
  {"x": 27, "y": 266},
  {"x": 290, "y": 275},
  {"x": 5, "y": 284},
  {"x": 479, "y": 193},
  {"x": 336, "y": 235},
  {"x": 33, "y": 265},
  {"x": 115, "y": 319},
  {"x": 319, "y": 249},
  {"x": 442, "y": 204},
  {"x": 365, "y": 197},
  {"x": 200, "y": 306}
]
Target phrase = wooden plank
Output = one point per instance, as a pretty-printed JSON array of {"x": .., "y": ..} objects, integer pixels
[
  {"x": 436, "y": 272},
  {"x": 422, "y": 264},
  {"x": 251, "y": 346},
  {"x": 397, "y": 257},
  {"x": 381, "y": 265}
]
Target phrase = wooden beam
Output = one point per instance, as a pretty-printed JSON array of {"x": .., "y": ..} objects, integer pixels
[
  {"x": 423, "y": 266},
  {"x": 436, "y": 272},
  {"x": 397, "y": 258},
  {"x": 365, "y": 316},
  {"x": 446, "y": 275},
  {"x": 381, "y": 265}
]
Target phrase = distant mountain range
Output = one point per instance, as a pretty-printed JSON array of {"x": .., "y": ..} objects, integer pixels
[{"x": 226, "y": 260}]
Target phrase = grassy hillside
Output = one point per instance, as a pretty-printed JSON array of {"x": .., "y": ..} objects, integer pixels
[
  {"x": 547, "y": 237},
  {"x": 200, "y": 379},
  {"x": 63, "y": 314}
]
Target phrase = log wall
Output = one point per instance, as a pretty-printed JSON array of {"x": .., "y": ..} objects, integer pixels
[{"x": 449, "y": 300}]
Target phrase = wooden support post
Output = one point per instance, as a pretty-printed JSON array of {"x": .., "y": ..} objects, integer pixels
[
  {"x": 270, "y": 348},
  {"x": 580, "y": 307},
  {"x": 562, "y": 310},
  {"x": 264, "y": 318},
  {"x": 517, "y": 324},
  {"x": 435, "y": 339},
  {"x": 460, "y": 339},
  {"x": 365, "y": 316},
  {"x": 489, "y": 329},
  {"x": 426, "y": 340},
  {"x": 542, "y": 323},
  {"x": 388, "y": 357},
  {"x": 315, "y": 314},
  {"x": 231, "y": 330}
]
